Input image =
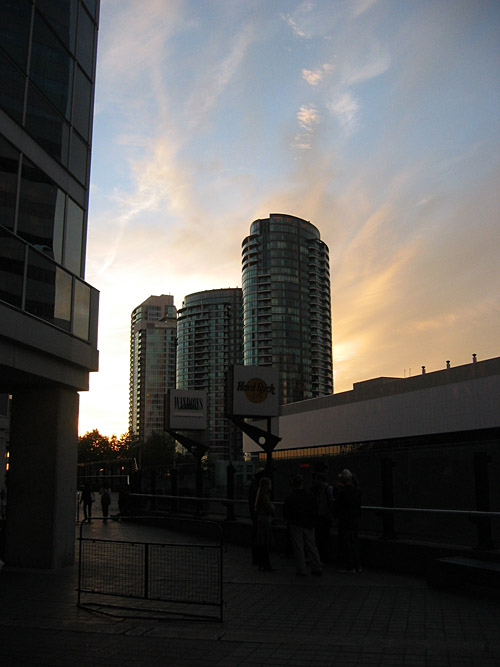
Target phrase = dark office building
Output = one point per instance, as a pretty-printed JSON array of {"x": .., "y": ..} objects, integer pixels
[
  {"x": 48, "y": 313},
  {"x": 287, "y": 305},
  {"x": 209, "y": 330}
]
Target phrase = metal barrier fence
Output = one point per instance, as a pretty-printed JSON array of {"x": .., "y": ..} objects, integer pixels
[{"x": 163, "y": 578}]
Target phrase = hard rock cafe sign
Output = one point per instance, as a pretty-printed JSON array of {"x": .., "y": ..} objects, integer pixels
[{"x": 253, "y": 391}]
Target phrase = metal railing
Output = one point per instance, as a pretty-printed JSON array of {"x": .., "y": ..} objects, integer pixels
[
  {"x": 162, "y": 578},
  {"x": 229, "y": 508}
]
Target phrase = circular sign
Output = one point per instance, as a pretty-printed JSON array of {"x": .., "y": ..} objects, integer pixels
[{"x": 256, "y": 390}]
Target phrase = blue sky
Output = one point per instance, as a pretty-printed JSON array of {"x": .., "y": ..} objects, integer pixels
[{"x": 377, "y": 120}]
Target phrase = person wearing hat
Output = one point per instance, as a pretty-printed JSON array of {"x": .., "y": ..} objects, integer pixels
[
  {"x": 348, "y": 509},
  {"x": 300, "y": 511}
]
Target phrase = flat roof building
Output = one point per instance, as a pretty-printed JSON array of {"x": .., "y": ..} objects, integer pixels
[
  {"x": 427, "y": 442},
  {"x": 452, "y": 400}
]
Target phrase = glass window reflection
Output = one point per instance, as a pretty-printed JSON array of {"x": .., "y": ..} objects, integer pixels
[
  {"x": 15, "y": 18},
  {"x": 81, "y": 310},
  {"x": 62, "y": 306},
  {"x": 63, "y": 22},
  {"x": 37, "y": 207},
  {"x": 73, "y": 238},
  {"x": 12, "y": 84},
  {"x": 51, "y": 66},
  {"x": 78, "y": 158},
  {"x": 40, "y": 286},
  {"x": 12, "y": 253},
  {"x": 46, "y": 126},
  {"x": 81, "y": 103},
  {"x": 85, "y": 42},
  {"x": 9, "y": 162},
  {"x": 92, "y": 7},
  {"x": 57, "y": 243}
]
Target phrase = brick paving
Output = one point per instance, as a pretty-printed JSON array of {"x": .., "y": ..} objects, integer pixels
[{"x": 270, "y": 618}]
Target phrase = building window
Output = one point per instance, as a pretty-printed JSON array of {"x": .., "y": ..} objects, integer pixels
[
  {"x": 12, "y": 84},
  {"x": 9, "y": 164},
  {"x": 81, "y": 310},
  {"x": 12, "y": 253},
  {"x": 38, "y": 202},
  {"x": 73, "y": 238},
  {"x": 51, "y": 66}
]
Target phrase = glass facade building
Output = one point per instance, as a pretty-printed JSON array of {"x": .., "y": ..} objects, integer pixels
[
  {"x": 153, "y": 345},
  {"x": 47, "y": 68},
  {"x": 210, "y": 340},
  {"x": 287, "y": 305},
  {"x": 48, "y": 313}
]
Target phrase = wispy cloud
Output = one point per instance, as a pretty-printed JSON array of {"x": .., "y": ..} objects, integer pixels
[
  {"x": 313, "y": 19},
  {"x": 308, "y": 117},
  {"x": 314, "y": 77},
  {"x": 345, "y": 108},
  {"x": 359, "y": 7},
  {"x": 356, "y": 116},
  {"x": 214, "y": 79}
]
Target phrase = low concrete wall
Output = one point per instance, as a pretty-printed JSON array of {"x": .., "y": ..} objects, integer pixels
[{"x": 392, "y": 555}]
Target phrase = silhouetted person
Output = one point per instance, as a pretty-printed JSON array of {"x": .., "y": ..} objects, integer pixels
[
  {"x": 265, "y": 512},
  {"x": 252, "y": 496},
  {"x": 105, "y": 492},
  {"x": 86, "y": 499},
  {"x": 300, "y": 511},
  {"x": 348, "y": 505},
  {"x": 323, "y": 492}
]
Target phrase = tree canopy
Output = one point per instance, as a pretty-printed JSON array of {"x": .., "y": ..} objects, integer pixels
[
  {"x": 158, "y": 449},
  {"x": 96, "y": 447}
]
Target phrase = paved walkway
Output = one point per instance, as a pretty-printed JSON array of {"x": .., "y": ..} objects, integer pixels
[{"x": 271, "y": 618}]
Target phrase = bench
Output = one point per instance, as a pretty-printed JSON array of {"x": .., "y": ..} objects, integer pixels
[{"x": 456, "y": 570}]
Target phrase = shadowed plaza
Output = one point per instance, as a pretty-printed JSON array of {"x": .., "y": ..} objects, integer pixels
[{"x": 270, "y": 618}]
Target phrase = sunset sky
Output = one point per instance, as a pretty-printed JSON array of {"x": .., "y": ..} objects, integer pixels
[{"x": 376, "y": 120}]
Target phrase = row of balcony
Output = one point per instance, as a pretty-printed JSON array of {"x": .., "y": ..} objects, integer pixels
[{"x": 37, "y": 285}]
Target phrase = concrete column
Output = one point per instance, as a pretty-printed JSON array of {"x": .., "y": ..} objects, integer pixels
[{"x": 40, "y": 530}]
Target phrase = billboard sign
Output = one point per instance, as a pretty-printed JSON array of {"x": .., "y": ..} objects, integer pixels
[
  {"x": 186, "y": 409},
  {"x": 253, "y": 391}
]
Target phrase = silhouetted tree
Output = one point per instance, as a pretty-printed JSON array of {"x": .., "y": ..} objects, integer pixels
[
  {"x": 159, "y": 449},
  {"x": 94, "y": 447}
]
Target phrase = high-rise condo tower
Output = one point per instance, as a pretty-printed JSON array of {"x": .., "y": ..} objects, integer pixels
[
  {"x": 209, "y": 342},
  {"x": 287, "y": 305},
  {"x": 153, "y": 343}
]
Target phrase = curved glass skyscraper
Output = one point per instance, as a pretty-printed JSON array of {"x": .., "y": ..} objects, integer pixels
[{"x": 287, "y": 305}]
